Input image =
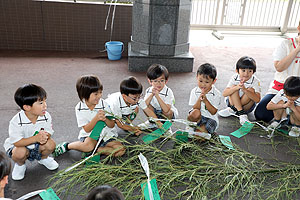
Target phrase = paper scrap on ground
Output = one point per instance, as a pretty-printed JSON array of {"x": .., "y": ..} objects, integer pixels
[
  {"x": 244, "y": 130},
  {"x": 226, "y": 141},
  {"x": 154, "y": 190},
  {"x": 49, "y": 194},
  {"x": 157, "y": 133},
  {"x": 181, "y": 136}
]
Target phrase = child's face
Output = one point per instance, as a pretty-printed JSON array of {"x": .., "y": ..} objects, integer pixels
[
  {"x": 38, "y": 108},
  {"x": 205, "y": 82},
  {"x": 245, "y": 74},
  {"x": 94, "y": 97},
  {"x": 158, "y": 83},
  {"x": 131, "y": 99}
]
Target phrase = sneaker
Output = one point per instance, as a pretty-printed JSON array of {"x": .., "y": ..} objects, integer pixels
[
  {"x": 294, "y": 132},
  {"x": 60, "y": 149},
  {"x": 49, "y": 162},
  {"x": 273, "y": 126},
  {"x": 226, "y": 112},
  {"x": 18, "y": 172},
  {"x": 147, "y": 125},
  {"x": 243, "y": 119}
]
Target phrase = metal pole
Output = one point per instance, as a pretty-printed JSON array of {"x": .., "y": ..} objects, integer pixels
[{"x": 283, "y": 27}]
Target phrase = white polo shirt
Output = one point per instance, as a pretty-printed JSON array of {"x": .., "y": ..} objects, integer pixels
[
  {"x": 166, "y": 94},
  {"x": 253, "y": 82},
  {"x": 21, "y": 127},
  {"x": 214, "y": 98},
  {"x": 84, "y": 115},
  {"x": 118, "y": 106},
  {"x": 281, "y": 52},
  {"x": 280, "y": 96}
]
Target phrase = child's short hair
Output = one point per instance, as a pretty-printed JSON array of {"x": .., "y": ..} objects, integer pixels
[
  {"x": 131, "y": 85},
  {"x": 105, "y": 192},
  {"x": 292, "y": 86},
  {"x": 156, "y": 70},
  {"x": 86, "y": 85},
  {"x": 5, "y": 165},
  {"x": 28, "y": 94},
  {"x": 246, "y": 62},
  {"x": 207, "y": 70}
]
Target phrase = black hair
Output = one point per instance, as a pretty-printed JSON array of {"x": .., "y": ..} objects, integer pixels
[
  {"x": 5, "y": 165},
  {"x": 131, "y": 85},
  {"x": 246, "y": 62},
  {"x": 156, "y": 70},
  {"x": 105, "y": 192},
  {"x": 207, "y": 70},
  {"x": 86, "y": 85},
  {"x": 292, "y": 86},
  {"x": 28, "y": 94}
]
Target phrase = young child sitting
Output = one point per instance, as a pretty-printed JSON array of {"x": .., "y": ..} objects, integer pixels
[
  {"x": 286, "y": 106},
  {"x": 159, "y": 97},
  {"x": 205, "y": 99},
  {"x": 243, "y": 90},
  {"x": 5, "y": 168},
  {"x": 125, "y": 104},
  {"x": 90, "y": 110},
  {"x": 30, "y": 131}
]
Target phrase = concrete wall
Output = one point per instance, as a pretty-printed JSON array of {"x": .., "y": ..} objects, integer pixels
[{"x": 59, "y": 26}]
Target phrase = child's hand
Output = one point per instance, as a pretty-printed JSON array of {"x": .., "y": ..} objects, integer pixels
[
  {"x": 202, "y": 95},
  {"x": 289, "y": 104},
  {"x": 42, "y": 137},
  {"x": 155, "y": 91},
  {"x": 101, "y": 115}
]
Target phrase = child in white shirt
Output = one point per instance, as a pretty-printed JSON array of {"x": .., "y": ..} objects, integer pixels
[
  {"x": 126, "y": 103},
  {"x": 286, "y": 105},
  {"x": 30, "y": 131},
  {"x": 90, "y": 110},
  {"x": 205, "y": 99},
  {"x": 243, "y": 90}
]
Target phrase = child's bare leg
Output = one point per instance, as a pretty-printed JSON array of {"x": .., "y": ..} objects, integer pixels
[
  {"x": 235, "y": 100},
  {"x": 20, "y": 155},
  {"x": 169, "y": 114},
  {"x": 48, "y": 148},
  {"x": 87, "y": 146},
  {"x": 201, "y": 129},
  {"x": 294, "y": 119},
  {"x": 194, "y": 115},
  {"x": 118, "y": 147}
]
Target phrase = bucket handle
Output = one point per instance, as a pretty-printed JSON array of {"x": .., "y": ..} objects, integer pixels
[{"x": 112, "y": 53}]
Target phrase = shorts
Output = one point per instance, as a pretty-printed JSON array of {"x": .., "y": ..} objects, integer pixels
[
  {"x": 34, "y": 153},
  {"x": 160, "y": 115},
  {"x": 248, "y": 111},
  {"x": 210, "y": 124},
  {"x": 102, "y": 143}
]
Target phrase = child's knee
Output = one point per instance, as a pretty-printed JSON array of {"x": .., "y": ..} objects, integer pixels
[
  {"x": 20, "y": 153},
  {"x": 49, "y": 146},
  {"x": 194, "y": 115}
]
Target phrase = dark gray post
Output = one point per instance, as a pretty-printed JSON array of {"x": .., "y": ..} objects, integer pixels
[{"x": 160, "y": 32}]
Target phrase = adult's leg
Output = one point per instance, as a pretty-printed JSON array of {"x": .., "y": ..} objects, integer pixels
[{"x": 261, "y": 113}]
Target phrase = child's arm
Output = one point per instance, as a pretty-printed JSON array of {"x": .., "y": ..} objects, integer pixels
[
  {"x": 100, "y": 116},
  {"x": 41, "y": 138},
  {"x": 209, "y": 107},
  {"x": 296, "y": 110},
  {"x": 275, "y": 106},
  {"x": 250, "y": 92},
  {"x": 230, "y": 90},
  {"x": 165, "y": 107},
  {"x": 149, "y": 99}
]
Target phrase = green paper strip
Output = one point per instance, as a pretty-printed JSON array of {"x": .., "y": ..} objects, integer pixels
[
  {"x": 95, "y": 134},
  {"x": 154, "y": 190},
  {"x": 244, "y": 130},
  {"x": 157, "y": 133},
  {"x": 181, "y": 136},
  {"x": 226, "y": 141},
  {"x": 283, "y": 131},
  {"x": 93, "y": 160},
  {"x": 49, "y": 194}
]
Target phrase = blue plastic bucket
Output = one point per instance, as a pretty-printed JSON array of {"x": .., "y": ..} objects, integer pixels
[{"x": 114, "y": 50}]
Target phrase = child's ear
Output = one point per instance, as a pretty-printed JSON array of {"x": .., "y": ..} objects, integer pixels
[
  {"x": 149, "y": 81},
  {"x": 26, "y": 107},
  {"x": 214, "y": 81},
  {"x": 4, "y": 181}
]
